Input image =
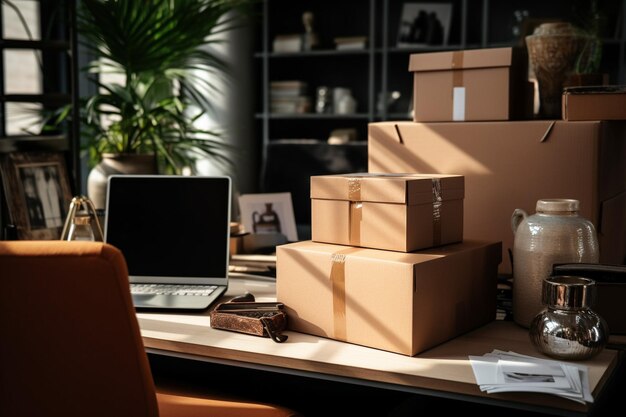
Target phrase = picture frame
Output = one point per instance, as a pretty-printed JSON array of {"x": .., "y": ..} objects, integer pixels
[
  {"x": 268, "y": 213},
  {"x": 37, "y": 191},
  {"x": 424, "y": 24}
]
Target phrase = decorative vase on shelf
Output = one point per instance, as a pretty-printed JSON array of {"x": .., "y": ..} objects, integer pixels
[
  {"x": 552, "y": 50},
  {"x": 556, "y": 233},
  {"x": 131, "y": 164}
]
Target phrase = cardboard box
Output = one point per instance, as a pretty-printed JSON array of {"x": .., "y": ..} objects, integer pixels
[
  {"x": 509, "y": 165},
  {"x": 481, "y": 84},
  {"x": 594, "y": 103},
  {"x": 387, "y": 211},
  {"x": 400, "y": 302}
]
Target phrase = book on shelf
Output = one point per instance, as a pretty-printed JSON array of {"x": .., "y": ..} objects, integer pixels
[
  {"x": 290, "y": 105},
  {"x": 351, "y": 43},
  {"x": 287, "y": 43},
  {"x": 287, "y": 88}
]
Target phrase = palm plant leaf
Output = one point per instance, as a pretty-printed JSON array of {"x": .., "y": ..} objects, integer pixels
[{"x": 159, "y": 47}]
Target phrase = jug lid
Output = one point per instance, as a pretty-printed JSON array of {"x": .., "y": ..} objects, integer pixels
[{"x": 557, "y": 204}]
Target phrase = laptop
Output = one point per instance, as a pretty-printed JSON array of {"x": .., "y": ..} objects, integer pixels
[{"x": 174, "y": 232}]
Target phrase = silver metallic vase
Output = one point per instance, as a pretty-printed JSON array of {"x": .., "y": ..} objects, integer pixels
[
  {"x": 554, "y": 234},
  {"x": 568, "y": 328}
]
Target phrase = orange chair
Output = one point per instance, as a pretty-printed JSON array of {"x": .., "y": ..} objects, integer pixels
[{"x": 70, "y": 342}]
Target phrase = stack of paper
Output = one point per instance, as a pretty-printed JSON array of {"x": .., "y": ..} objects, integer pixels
[{"x": 501, "y": 371}]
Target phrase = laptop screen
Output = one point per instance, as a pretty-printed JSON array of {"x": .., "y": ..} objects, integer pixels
[{"x": 171, "y": 229}]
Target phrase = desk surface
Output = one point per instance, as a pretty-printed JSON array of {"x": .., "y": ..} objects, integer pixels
[{"x": 442, "y": 371}]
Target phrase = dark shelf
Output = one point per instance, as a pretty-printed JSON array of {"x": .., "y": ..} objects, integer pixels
[
  {"x": 315, "y": 116},
  {"x": 51, "y": 99},
  {"x": 422, "y": 48},
  {"x": 33, "y": 143},
  {"x": 399, "y": 116},
  {"x": 315, "y": 53},
  {"x": 25, "y": 44}
]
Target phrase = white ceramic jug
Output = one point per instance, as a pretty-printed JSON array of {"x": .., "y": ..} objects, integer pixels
[{"x": 554, "y": 234}]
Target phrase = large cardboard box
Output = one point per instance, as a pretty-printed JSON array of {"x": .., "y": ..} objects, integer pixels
[
  {"x": 481, "y": 84},
  {"x": 509, "y": 165},
  {"x": 400, "y": 302},
  {"x": 594, "y": 103},
  {"x": 403, "y": 212}
]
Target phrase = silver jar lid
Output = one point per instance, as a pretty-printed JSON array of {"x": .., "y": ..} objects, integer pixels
[
  {"x": 548, "y": 205},
  {"x": 568, "y": 292}
]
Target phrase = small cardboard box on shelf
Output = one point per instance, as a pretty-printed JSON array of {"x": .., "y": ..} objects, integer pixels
[
  {"x": 402, "y": 212},
  {"x": 594, "y": 103},
  {"x": 471, "y": 85},
  {"x": 400, "y": 302}
]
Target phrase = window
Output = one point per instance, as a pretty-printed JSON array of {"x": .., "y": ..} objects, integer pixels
[{"x": 35, "y": 70}]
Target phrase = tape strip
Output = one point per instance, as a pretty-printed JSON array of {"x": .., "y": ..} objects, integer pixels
[
  {"x": 458, "y": 91},
  {"x": 354, "y": 219},
  {"x": 437, "y": 202},
  {"x": 338, "y": 282},
  {"x": 457, "y": 68},
  {"x": 354, "y": 189}
]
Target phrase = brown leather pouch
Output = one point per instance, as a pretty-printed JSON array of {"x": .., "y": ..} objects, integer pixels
[{"x": 265, "y": 319}]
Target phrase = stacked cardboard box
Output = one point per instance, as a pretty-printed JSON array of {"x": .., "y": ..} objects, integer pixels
[
  {"x": 399, "y": 301},
  {"x": 594, "y": 103},
  {"x": 481, "y": 84},
  {"x": 406, "y": 301},
  {"x": 511, "y": 164},
  {"x": 403, "y": 212}
]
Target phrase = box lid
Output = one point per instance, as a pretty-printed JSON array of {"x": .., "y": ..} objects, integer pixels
[
  {"x": 376, "y": 255},
  {"x": 449, "y": 60},
  {"x": 410, "y": 189}
]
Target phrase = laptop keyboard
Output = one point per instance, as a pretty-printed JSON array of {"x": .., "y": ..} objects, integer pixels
[{"x": 169, "y": 289}]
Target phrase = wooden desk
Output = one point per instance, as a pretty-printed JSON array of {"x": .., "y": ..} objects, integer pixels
[{"x": 443, "y": 371}]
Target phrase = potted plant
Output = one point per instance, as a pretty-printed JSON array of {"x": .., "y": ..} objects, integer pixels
[
  {"x": 159, "y": 51},
  {"x": 587, "y": 69}
]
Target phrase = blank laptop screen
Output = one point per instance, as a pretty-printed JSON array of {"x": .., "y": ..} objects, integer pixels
[{"x": 170, "y": 226}]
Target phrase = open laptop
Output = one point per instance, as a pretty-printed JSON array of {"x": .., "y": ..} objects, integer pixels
[{"x": 172, "y": 230}]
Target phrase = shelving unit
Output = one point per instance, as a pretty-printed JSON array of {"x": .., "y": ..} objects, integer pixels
[
  {"x": 57, "y": 48},
  {"x": 58, "y": 71},
  {"x": 383, "y": 67}
]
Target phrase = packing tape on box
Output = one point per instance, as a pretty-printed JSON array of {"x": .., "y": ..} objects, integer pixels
[
  {"x": 355, "y": 214},
  {"x": 354, "y": 220},
  {"x": 437, "y": 203},
  {"x": 338, "y": 282},
  {"x": 354, "y": 189},
  {"x": 457, "y": 68},
  {"x": 458, "y": 90}
]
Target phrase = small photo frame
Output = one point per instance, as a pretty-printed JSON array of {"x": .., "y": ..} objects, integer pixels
[
  {"x": 268, "y": 213},
  {"x": 37, "y": 191},
  {"x": 424, "y": 24}
]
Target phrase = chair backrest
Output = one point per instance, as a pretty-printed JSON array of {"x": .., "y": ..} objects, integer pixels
[{"x": 70, "y": 342}]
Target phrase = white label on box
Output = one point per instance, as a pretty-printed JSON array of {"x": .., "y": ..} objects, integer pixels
[{"x": 458, "y": 104}]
